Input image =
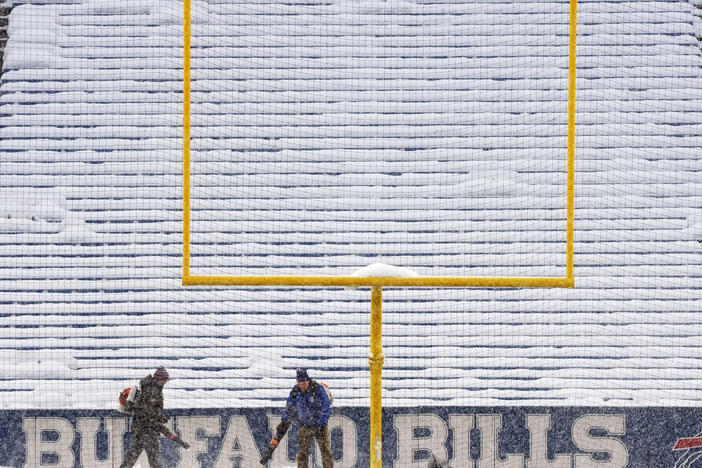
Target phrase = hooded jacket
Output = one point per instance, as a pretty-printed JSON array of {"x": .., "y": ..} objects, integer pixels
[
  {"x": 148, "y": 406},
  {"x": 312, "y": 407}
]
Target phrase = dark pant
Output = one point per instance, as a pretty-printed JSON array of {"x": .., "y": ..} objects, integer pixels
[
  {"x": 306, "y": 434},
  {"x": 143, "y": 440}
]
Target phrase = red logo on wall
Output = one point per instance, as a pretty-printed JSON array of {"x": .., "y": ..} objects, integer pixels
[{"x": 692, "y": 446}]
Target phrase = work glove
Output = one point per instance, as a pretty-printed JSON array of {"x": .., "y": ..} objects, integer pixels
[
  {"x": 175, "y": 438},
  {"x": 182, "y": 443},
  {"x": 268, "y": 451}
]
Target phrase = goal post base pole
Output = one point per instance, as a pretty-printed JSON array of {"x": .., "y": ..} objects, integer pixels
[{"x": 375, "y": 361}]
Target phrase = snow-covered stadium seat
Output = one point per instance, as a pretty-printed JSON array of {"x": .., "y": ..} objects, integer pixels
[{"x": 90, "y": 227}]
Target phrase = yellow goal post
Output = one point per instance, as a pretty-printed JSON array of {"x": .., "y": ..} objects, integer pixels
[
  {"x": 377, "y": 283},
  {"x": 565, "y": 281}
]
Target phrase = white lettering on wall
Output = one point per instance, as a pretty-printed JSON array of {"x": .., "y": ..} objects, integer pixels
[
  {"x": 614, "y": 424},
  {"x": 238, "y": 443},
  {"x": 408, "y": 444},
  {"x": 189, "y": 427},
  {"x": 51, "y": 441},
  {"x": 461, "y": 424},
  {"x": 538, "y": 425},
  {"x": 58, "y": 448},
  {"x": 88, "y": 429},
  {"x": 489, "y": 426}
]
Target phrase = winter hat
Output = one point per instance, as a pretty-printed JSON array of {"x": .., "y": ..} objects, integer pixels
[
  {"x": 302, "y": 374},
  {"x": 161, "y": 374}
]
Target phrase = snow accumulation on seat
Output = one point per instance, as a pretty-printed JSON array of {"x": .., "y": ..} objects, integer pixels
[{"x": 304, "y": 116}]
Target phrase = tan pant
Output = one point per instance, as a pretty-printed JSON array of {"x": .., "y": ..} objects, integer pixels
[
  {"x": 143, "y": 440},
  {"x": 306, "y": 434}
]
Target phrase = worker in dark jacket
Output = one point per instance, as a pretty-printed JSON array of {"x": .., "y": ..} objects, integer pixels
[
  {"x": 148, "y": 421},
  {"x": 309, "y": 403}
]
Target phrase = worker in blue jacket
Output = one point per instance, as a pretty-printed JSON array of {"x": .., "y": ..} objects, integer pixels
[{"x": 309, "y": 403}]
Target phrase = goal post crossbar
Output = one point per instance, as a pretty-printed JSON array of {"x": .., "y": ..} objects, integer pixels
[
  {"x": 352, "y": 281},
  {"x": 567, "y": 281}
]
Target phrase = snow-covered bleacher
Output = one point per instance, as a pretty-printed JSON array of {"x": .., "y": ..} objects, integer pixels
[{"x": 90, "y": 186}]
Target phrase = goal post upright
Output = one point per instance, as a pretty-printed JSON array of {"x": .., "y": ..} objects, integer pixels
[
  {"x": 377, "y": 283},
  {"x": 570, "y": 185},
  {"x": 187, "y": 29},
  {"x": 375, "y": 362}
]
